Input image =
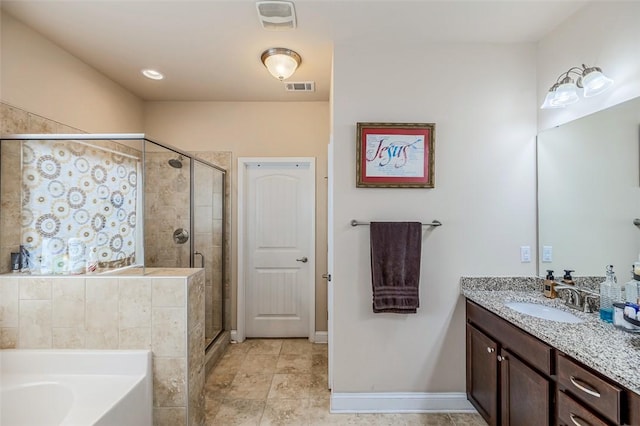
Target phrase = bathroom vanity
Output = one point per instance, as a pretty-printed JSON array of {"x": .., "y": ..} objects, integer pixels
[{"x": 523, "y": 370}]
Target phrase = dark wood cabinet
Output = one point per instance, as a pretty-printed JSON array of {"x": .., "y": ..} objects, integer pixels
[
  {"x": 503, "y": 386},
  {"x": 515, "y": 379},
  {"x": 482, "y": 374},
  {"x": 525, "y": 394}
]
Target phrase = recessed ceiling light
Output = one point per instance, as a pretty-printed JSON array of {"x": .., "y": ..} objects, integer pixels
[{"x": 152, "y": 74}]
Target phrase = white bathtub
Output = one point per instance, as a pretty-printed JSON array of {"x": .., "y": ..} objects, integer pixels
[{"x": 75, "y": 387}]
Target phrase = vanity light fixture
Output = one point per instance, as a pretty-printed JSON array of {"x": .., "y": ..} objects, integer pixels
[
  {"x": 281, "y": 62},
  {"x": 152, "y": 74},
  {"x": 565, "y": 90}
]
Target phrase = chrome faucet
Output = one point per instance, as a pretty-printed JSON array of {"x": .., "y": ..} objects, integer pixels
[
  {"x": 579, "y": 298},
  {"x": 574, "y": 297}
]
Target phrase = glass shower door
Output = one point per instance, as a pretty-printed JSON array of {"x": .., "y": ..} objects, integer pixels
[{"x": 207, "y": 242}]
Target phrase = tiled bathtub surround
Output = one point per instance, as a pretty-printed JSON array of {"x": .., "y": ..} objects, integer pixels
[
  {"x": 597, "y": 344},
  {"x": 162, "y": 311}
]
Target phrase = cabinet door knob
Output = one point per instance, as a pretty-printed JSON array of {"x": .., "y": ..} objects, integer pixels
[
  {"x": 491, "y": 350},
  {"x": 578, "y": 421},
  {"x": 502, "y": 358}
]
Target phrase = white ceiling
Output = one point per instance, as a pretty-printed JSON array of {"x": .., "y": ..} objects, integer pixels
[{"x": 209, "y": 50}]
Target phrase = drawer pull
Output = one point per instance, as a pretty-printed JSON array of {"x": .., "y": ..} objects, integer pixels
[
  {"x": 578, "y": 421},
  {"x": 490, "y": 350},
  {"x": 584, "y": 387},
  {"x": 502, "y": 358}
]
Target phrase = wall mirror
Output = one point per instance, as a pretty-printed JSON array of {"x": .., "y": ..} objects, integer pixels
[{"x": 589, "y": 193}]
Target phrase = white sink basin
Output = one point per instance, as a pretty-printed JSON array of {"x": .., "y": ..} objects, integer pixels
[{"x": 543, "y": 311}]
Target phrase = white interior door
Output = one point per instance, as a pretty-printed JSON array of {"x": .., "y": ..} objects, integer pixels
[{"x": 279, "y": 207}]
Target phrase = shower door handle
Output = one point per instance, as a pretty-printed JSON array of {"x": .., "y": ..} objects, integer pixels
[
  {"x": 197, "y": 253},
  {"x": 302, "y": 259}
]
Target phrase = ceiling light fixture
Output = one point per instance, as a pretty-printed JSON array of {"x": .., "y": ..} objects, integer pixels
[
  {"x": 281, "y": 62},
  {"x": 565, "y": 90},
  {"x": 152, "y": 74}
]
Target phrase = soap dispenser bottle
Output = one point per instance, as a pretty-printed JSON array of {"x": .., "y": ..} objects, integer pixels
[
  {"x": 606, "y": 294},
  {"x": 568, "y": 279},
  {"x": 549, "y": 283}
]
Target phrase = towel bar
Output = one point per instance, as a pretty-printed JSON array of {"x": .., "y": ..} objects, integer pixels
[{"x": 433, "y": 223}]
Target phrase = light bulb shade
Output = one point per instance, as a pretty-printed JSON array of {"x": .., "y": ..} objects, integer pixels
[
  {"x": 281, "y": 62},
  {"x": 565, "y": 94},
  {"x": 595, "y": 82},
  {"x": 548, "y": 101}
]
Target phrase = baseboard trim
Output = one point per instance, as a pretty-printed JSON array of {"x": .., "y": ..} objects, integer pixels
[
  {"x": 234, "y": 336},
  {"x": 401, "y": 402},
  {"x": 321, "y": 337}
]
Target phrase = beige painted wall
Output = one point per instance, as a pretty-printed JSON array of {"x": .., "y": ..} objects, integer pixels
[
  {"x": 253, "y": 129},
  {"x": 482, "y": 100},
  {"x": 40, "y": 77}
]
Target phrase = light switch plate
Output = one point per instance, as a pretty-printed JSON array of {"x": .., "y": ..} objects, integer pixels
[
  {"x": 525, "y": 254},
  {"x": 547, "y": 254}
]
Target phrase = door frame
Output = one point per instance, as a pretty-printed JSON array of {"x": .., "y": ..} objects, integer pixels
[{"x": 243, "y": 162}]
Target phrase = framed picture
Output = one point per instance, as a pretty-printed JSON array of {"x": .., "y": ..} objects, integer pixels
[{"x": 395, "y": 155}]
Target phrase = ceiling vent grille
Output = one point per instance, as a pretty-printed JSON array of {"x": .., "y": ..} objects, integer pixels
[
  {"x": 276, "y": 15},
  {"x": 300, "y": 86}
]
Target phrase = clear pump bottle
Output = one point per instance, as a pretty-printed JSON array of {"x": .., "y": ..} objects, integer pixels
[
  {"x": 631, "y": 290},
  {"x": 607, "y": 294}
]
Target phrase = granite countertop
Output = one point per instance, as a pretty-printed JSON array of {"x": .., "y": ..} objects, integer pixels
[{"x": 613, "y": 353}]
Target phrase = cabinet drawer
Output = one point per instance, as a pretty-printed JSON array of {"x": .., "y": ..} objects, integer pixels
[
  {"x": 634, "y": 408},
  {"x": 571, "y": 413},
  {"x": 590, "y": 388},
  {"x": 527, "y": 347}
]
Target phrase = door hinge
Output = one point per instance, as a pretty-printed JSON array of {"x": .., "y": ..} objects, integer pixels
[{"x": 327, "y": 277}]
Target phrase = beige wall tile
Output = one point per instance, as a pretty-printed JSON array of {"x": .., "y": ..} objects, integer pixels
[
  {"x": 168, "y": 332},
  {"x": 169, "y": 416},
  {"x": 102, "y": 313},
  {"x": 135, "y": 338},
  {"x": 134, "y": 303},
  {"x": 8, "y": 338},
  {"x": 102, "y": 303},
  {"x": 13, "y": 120},
  {"x": 168, "y": 292},
  {"x": 38, "y": 124},
  {"x": 35, "y": 324},
  {"x": 169, "y": 382},
  {"x": 68, "y": 337},
  {"x": 35, "y": 289},
  {"x": 102, "y": 338},
  {"x": 68, "y": 302},
  {"x": 9, "y": 291},
  {"x": 196, "y": 397}
]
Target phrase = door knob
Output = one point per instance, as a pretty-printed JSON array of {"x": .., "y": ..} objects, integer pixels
[{"x": 302, "y": 259}]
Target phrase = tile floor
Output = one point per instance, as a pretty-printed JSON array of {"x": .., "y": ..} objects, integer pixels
[{"x": 284, "y": 382}]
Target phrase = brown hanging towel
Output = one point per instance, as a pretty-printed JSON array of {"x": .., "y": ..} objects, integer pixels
[{"x": 395, "y": 266}]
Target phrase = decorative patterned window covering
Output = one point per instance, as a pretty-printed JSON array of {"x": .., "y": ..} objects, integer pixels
[{"x": 77, "y": 197}]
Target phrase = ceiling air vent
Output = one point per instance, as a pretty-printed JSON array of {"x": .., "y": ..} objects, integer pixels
[
  {"x": 300, "y": 86},
  {"x": 276, "y": 15}
]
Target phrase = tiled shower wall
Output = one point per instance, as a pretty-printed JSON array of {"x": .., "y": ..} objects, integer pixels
[
  {"x": 162, "y": 311},
  {"x": 166, "y": 208},
  {"x": 14, "y": 121}
]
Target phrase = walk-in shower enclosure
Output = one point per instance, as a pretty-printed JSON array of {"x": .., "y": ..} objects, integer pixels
[{"x": 111, "y": 203}]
